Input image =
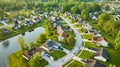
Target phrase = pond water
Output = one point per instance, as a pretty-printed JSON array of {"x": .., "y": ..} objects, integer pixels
[{"x": 11, "y": 45}]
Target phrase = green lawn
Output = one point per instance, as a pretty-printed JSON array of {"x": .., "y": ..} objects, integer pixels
[
  {"x": 77, "y": 25},
  {"x": 91, "y": 45},
  {"x": 82, "y": 30},
  {"x": 1, "y": 24},
  {"x": 42, "y": 63},
  {"x": 76, "y": 64},
  {"x": 113, "y": 57},
  {"x": 67, "y": 46},
  {"x": 87, "y": 36},
  {"x": 16, "y": 60},
  {"x": 9, "y": 22},
  {"x": 86, "y": 54},
  {"x": 57, "y": 54},
  {"x": 71, "y": 33}
]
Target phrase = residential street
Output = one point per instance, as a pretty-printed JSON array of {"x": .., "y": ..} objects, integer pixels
[{"x": 72, "y": 53}]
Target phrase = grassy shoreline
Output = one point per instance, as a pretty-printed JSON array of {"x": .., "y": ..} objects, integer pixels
[{"x": 22, "y": 30}]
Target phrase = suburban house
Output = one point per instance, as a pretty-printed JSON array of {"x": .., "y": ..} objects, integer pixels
[
  {"x": 52, "y": 18},
  {"x": 94, "y": 18},
  {"x": 62, "y": 33},
  {"x": 35, "y": 11},
  {"x": 29, "y": 23},
  {"x": 116, "y": 17},
  {"x": 93, "y": 31},
  {"x": 55, "y": 24},
  {"x": 4, "y": 22},
  {"x": 16, "y": 25},
  {"x": 59, "y": 29},
  {"x": 101, "y": 55},
  {"x": 77, "y": 18},
  {"x": 50, "y": 45},
  {"x": 62, "y": 36},
  {"x": 86, "y": 26},
  {"x": 100, "y": 40},
  {"x": 5, "y": 31},
  {"x": 29, "y": 53},
  {"x": 93, "y": 63}
]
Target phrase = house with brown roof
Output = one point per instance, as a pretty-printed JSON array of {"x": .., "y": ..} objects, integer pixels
[
  {"x": 59, "y": 29},
  {"x": 29, "y": 53},
  {"x": 100, "y": 40},
  {"x": 62, "y": 36},
  {"x": 62, "y": 33},
  {"x": 93, "y": 63},
  {"x": 101, "y": 54}
]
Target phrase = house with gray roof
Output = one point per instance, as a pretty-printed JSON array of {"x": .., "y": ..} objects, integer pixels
[{"x": 50, "y": 45}]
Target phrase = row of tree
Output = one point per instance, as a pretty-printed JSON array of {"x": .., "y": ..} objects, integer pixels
[
  {"x": 73, "y": 6},
  {"x": 43, "y": 4}
]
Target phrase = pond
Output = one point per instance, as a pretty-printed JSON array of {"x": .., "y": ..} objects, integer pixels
[{"x": 11, "y": 45}]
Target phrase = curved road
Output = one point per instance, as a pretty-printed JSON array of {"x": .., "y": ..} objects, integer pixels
[{"x": 72, "y": 53}]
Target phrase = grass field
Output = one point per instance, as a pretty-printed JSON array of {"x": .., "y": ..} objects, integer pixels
[
  {"x": 57, "y": 54},
  {"x": 75, "y": 64},
  {"x": 86, "y": 54},
  {"x": 87, "y": 36}
]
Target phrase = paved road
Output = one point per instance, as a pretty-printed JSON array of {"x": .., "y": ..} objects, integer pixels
[{"x": 72, "y": 53}]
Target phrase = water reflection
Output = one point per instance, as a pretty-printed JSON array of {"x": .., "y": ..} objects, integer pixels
[
  {"x": 5, "y": 43},
  {"x": 11, "y": 45},
  {"x": 23, "y": 34},
  {"x": 31, "y": 30}
]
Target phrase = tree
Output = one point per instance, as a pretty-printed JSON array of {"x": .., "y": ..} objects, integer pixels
[
  {"x": 107, "y": 7},
  {"x": 64, "y": 40},
  {"x": 94, "y": 7},
  {"x": 110, "y": 65},
  {"x": 3, "y": 15},
  {"x": 41, "y": 38},
  {"x": 66, "y": 7},
  {"x": 117, "y": 41},
  {"x": 75, "y": 10},
  {"x": 32, "y": 44},
  {"x": 84, "y": 14},
  {"x": 71, "y": 40},
  {"x": 108, "y": 26},
  {"x": 115, "y": 28},
  {"x": 22, "y": 43},
  {"x": 103, "y": 18},
  {"x": 34, "y": 61}
]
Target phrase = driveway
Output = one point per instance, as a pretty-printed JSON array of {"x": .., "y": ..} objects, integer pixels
[
  {"x": 65, "y": 50},
  {"x": 72, "y": 53}
]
